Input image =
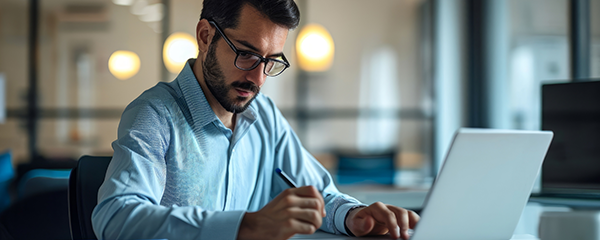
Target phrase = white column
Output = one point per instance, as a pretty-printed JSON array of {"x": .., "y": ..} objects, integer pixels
[{"x": 449, "y": 74}]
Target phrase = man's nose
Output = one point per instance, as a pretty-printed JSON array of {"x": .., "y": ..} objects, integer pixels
[{"x": 257, "y": 75}]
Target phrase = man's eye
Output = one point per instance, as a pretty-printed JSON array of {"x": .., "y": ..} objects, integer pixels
[{"x": 245, "y": 55}]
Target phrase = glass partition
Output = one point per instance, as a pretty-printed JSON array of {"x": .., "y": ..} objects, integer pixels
[{"x": 376, "y": 97}]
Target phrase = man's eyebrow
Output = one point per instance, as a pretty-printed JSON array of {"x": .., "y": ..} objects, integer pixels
[
  {"x": 255, "y": 49},
  {"x": 248, "y": 45}
]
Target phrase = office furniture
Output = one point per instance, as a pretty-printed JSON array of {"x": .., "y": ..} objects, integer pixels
[
  {"x": 412, "y": 199},
  {"x": 84, "y": 182},
  {"x": 356, "y": 168},
  {"x": 582, "y": 224},
  {"x": 324, "y": 235},
  {"x": 6, "y": 175},
  {"x": 41, "y": 216},
  {"x": 39, "y": 181}
]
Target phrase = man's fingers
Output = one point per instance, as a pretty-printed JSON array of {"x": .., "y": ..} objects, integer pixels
[
  {"x": 294, "y": 201},
  {"x": 362, "y": 226},
  {"x": 295, "y": 210},
  {"x": 310, "y": 216},
  {"x": 308, "y": 191},
  {"x": 301, "y": 227},
  {"x": 312, "y": 203},
  {"x": 382, "y": 214},
  {"x": 414, "y": 218},
  {"x": 302, "y": 202},
  {"x": 403, "y": 219},
  {"x": 385, "y": 219},
  {"x": 312, "y": 193}
]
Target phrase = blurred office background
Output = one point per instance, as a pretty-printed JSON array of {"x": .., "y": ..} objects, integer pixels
[{"x": 405, "y": 74}]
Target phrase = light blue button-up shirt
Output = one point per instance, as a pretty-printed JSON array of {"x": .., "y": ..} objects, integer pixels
[{"x": 179, "y": 173}]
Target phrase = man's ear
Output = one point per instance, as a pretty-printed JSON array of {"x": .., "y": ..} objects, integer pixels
[{"x": 204, "y": 35}]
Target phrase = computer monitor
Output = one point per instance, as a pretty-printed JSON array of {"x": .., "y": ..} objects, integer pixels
[{"x": 572, "y": 112}]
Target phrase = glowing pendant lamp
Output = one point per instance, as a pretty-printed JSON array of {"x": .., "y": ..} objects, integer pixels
[
  {"x": 124, "y": 64},
  {"x": 315, "y": 48}
]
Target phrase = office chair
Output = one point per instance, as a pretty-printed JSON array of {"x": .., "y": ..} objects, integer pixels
[
  {"x": 39, "y": 181},
  {"x": 358, "y": 168},
  {"x": 41, "y": 216},
  {"x": 84, "y": 182},
  {"x": 7, "y": 173}
]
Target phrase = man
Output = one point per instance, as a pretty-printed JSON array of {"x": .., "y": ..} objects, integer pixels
[{"x": 195, "y": 158}]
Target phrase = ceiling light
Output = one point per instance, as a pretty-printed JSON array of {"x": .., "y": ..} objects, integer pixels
[
  {"x": 315, "y": 48},
  {"x": 124, "y": 64},
  {"x": 178, "y": 48}
]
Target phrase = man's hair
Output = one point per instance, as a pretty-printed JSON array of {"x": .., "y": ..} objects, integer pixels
[{"x": 226, "y": 13}]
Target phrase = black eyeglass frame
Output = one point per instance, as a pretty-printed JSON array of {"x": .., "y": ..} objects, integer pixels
[{"x": 261, "y": 58}]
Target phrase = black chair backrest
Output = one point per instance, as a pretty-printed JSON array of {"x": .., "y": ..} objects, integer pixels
[{"x": 84, "y": 182}]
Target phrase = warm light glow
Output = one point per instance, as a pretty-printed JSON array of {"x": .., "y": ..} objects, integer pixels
[
  {"x": 178, "y": 48},
  {"x": 152, "y": 13},
  {"x": 315, "y": 48},
  {"x": 123, "y": 2},
  {"x": 124, "y": 64}
]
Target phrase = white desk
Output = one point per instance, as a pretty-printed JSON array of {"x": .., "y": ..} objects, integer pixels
[
  {"x": 401, "y": 197},
  {"x": 324, "y": 235},
  {"x": 415, "y": 198}
]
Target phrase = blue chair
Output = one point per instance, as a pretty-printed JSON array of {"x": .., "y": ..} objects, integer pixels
[
  {"x": 84, "y": 182},
  {"x": 356, "y": 168},
  {"x": 39, "y": 181},
  {"x": 41, "y": 209},
  {"x": 7, "y": 173}
]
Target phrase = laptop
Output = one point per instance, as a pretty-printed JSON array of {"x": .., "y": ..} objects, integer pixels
[
  {"x": 482, "y": 188},
  {"x": 571, "y": 169}
]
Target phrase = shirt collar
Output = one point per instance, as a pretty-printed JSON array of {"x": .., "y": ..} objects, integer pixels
[{"x": 202, "y": 113}]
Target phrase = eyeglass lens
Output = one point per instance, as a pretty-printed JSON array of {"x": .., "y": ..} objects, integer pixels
[{"x": 249, "y": 61}]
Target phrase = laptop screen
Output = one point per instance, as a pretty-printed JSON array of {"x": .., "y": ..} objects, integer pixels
[{"x": 572, "y": 112}]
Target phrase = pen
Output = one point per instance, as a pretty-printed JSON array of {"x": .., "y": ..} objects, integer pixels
[
  {"x": 285, "y": 178},
  {"x": 291, "y": 183}
]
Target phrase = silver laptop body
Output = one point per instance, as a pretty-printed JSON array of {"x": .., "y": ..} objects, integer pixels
[
  {"x": 482, "y": 188},
  {"x": 483, "y": 185}
]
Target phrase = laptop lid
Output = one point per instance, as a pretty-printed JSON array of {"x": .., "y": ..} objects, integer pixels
[
  {"x": 483, "y": 185},
  {"x": 571, "y": 111}
]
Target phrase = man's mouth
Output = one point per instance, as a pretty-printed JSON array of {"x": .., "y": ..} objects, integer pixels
[{"x": 243, "y": 92}]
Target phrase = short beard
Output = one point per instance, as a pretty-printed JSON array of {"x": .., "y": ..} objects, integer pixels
[{"x": 215, "y": 81}]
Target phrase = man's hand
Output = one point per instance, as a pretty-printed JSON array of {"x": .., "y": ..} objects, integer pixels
[
  {"x": 295, "y": 210},
  {"x": 379, "y": 219}
]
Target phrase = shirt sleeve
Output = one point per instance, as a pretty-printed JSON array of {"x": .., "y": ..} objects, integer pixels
[
  {"x": 129, "y": 199},
  {"x": 305, "y": 170}
]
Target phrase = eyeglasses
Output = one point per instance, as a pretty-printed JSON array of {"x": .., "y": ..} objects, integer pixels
[{"x": 245, "y": 60}]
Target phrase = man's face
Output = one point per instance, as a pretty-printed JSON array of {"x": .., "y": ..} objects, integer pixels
[
  {"x": 215, "y": 81},
  {"x": 233, "y": 88}
]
